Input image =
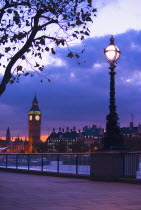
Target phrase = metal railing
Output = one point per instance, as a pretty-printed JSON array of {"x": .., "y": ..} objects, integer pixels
[
  {"x": 131, "y": 167},
  {"x": 72, "y": 163},
  {"x": 69, "y": 163}
]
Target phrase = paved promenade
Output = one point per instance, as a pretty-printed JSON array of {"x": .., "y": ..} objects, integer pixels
[{"x": 35, "y": 192}]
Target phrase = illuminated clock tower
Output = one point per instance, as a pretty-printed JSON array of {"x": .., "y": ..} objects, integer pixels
[{"x": 34, "y": 125}]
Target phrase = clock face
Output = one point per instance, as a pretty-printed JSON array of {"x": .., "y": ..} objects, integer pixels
[
  {"x": 37, "y": 117},
  {"x": 30, "y": 117}
]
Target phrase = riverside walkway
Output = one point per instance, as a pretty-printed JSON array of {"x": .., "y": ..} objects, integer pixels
[{"x": 35, "y": 192}]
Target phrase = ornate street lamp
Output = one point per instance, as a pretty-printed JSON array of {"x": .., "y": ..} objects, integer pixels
[{"x": 112, "y": 138}]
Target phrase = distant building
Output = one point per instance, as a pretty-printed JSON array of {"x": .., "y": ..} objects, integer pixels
[
  {"x": 5, "y": 145},
  {"x": 62, "y": 141},
  {"x": 34, "y": 125},
  {"x": 16, "y": 146},
  {"x": 74, "y": 141},
  {"x": 34, "y": 128},
  {"x": 131, "y": 130},
  {"x": 132, "y": 136},
  {"x": 93, "y": 137}
]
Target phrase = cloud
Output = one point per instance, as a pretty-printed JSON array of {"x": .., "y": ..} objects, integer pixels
[
  {"x": 78, "y": 94},
  {"x": 115, "y": 17}
]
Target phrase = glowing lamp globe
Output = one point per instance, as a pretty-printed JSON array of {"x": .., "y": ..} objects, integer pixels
[{"x": 112, "y": 52}]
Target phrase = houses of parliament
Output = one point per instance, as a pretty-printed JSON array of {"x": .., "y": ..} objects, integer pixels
[
  {"x": 34, "y": 133},
  {"x": 68, "y": 140},
  {"x": 64, "y": 140}
]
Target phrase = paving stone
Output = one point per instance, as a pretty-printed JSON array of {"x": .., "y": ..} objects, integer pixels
[{"x": 35, "y": 192}]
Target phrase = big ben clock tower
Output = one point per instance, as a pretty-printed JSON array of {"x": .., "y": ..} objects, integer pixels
[{"x": 34, "y": 125}]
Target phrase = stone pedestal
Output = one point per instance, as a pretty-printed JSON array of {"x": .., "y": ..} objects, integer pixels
[{"x": 106, "y": 166}]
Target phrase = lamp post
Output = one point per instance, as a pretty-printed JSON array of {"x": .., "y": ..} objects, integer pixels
[{"x": 112, "y": 138}]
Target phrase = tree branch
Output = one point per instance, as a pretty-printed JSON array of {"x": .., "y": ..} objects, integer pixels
[
  {"x": 8, "y": 75},
  {"x": 46, "y": 37},
  {"x": 46, "y": 24}
]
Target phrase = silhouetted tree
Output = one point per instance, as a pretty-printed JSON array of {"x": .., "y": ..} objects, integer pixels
[{"x": 29, "y": 28}]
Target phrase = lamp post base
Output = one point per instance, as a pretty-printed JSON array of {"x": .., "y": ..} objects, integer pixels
[
  {"x": 121, "y": 147},
  {"x": 113, "y": 142}
]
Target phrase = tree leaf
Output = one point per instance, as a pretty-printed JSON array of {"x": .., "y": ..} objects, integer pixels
[
  {"x": 23, "y": 57},
  {"x": 9, "y": 11},
  {"x": 77, "y": 56},
  {"x": 37, "y": 65},
  {"x": 19, "y": 68},
  {"x": 53, "y": 52},
  {"x": 11, "y": 82},
  {"x": 26, "y": 74},
  {"x": 41, "y": 68},
  {"x": 42, "y": 41},
  {"x": 47, "y": 49},
  {"x": 1, "y": 55},
  {"x": 7, "y": 49},
  {"x": 70, "y": 55}
]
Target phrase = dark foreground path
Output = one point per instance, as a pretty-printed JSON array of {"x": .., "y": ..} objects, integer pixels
[{"x": 35, "y": 192}]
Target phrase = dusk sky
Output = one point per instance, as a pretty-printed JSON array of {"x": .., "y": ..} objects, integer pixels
[{"x": 78, "y": 94}]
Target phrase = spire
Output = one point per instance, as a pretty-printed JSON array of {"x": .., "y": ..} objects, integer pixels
[
  {"x": 35, "y": 104},
  {"x": 35, "y": 100},
  {"x": 8, "y": 137}
]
